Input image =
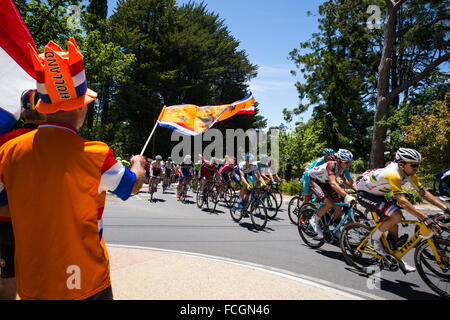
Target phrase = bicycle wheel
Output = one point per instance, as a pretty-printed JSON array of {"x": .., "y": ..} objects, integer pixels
[
  {"x": 235, "y": 212},
  {"x": 279, "y": 197},
  {"x": 351, "y": 237},
  {"x": 271, "y": 205},
  {"x": 227, "y": 197},
  {"x": 431, "y": 273},
  {"x": 213, "y": 199},
  {"x": 258, "y": 214},
  {"x": 294, "y": 209},
  {"x": 199, "y": 198},
  {"x": 305, "y": 230},
  {"x": 360, "y": 217}
]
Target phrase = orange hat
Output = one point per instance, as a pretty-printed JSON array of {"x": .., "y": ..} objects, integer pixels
[{"x": 61, "y": 80}]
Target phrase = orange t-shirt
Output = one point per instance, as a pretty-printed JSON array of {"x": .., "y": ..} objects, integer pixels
[{"x": 53, "y": 178}]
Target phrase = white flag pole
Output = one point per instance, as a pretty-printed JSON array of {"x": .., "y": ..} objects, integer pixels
[
  {"x": 153, "y": 131},
  {"x": 149, "y": 138}
]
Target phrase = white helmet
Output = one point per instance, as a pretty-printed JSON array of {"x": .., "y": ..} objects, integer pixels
[
  {"x": 158, "y": 158},
  {"x": 213, "y": 160},
  {"x": 187, "y": 159},
  {"x": 408, "y": 155},
  {"x": 344, "y": 155}
]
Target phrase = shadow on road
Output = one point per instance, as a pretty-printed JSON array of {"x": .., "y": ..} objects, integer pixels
[{"x": 400, "y": 288}]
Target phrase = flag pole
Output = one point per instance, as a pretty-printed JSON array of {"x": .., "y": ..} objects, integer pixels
[
  {"x": 153, "y": 131},
  {"x": 149, "y": 138}
]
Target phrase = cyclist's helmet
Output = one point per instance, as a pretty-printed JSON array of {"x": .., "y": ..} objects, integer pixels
[
  {"x": 213, "y": 160},
  {"x": 248, "y": 157},
  {"x": 264, "y": 158},
  {"x": 187, "y": 159},
  {"x": 169, "y": 159},
  {"x": 344, "y": 155},
  {"x": 408, "y": 155},
  {"x": 158, "y": 158},
  {"x": 328, "y": 152},
  {"x": 29, "y": 99}
]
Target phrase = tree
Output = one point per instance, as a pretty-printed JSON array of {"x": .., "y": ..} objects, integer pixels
[
  {"x": 48, "y": 20},
  {"x": 183, "y": 55},
  {"x": 421, "y": 26},
  {"x": 429, "y": 133},
  {"x": 337, "y": 66}
]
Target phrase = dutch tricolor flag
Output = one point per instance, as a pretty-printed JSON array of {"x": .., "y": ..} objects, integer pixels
[{"x": 16, "y": 69}]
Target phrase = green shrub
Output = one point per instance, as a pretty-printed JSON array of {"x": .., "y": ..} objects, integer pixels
[
  {"x": 291, "y": 188},
  {"x": 359, "y": 166},
  {"x": 414, "y": 198}
]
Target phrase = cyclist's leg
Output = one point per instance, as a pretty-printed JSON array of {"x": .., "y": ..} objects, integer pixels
[{"x": 389, "y": 213}]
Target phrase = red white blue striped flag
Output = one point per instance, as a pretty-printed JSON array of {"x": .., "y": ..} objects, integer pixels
[{"x": 16, "y": 69}]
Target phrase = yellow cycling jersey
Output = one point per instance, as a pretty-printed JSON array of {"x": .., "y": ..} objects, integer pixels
[{"x": 385, "y": 180}]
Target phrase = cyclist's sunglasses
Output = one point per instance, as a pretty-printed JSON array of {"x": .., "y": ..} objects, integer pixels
[{"x": 413, "y": 165}]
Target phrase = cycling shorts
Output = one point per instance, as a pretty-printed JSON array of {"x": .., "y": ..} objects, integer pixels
[
  {"x": 375, "y": 203},
  {"x": 323, "y": 190},
  {"x": 157, "y": 173},
  {"x": 7, "y": 250}
]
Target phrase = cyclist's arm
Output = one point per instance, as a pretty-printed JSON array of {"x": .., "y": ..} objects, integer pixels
[
  {"x": 408, "y": 206},
  {"x": 335, "y": 185},
  {"x": 242, "y": 174},
  {"x": 260, "y": 178}
]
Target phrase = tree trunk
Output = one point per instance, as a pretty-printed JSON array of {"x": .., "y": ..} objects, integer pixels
[{"x": 379, "y": 134}]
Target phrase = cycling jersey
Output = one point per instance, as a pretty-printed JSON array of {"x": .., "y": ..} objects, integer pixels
[
  {"x": 207, "y": 170},
  {"x": 249, "y": 171},
  {"x": 168, "y": 165},
  {"x": 318, "y": 162},
  {"x": 263, "y": 168},
  {"x": 323, "y": 172},
  {"x": 157, "y": 165},
  {"x": 382, "y": 181},
  {"x": 186, "y": 170}
]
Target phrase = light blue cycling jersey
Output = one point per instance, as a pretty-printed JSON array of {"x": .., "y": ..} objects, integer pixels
[
  {"x": 263, "y": 168},
  {"x": 318, "y": 162}
]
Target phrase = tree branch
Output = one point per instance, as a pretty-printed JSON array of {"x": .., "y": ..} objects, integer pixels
[
  {"x": 418, "y": 77},
  {"x": 57, "y": 4}
]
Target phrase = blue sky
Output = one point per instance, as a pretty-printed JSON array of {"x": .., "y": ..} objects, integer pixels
[{"x": 268, "y": 31}]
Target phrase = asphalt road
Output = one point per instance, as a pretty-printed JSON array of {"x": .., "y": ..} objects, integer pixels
[{"x": 169, "y": 224}]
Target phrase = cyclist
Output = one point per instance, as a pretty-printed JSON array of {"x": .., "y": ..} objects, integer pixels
[
  {"x": 444, "y": 184},
  {"x": 208, "y": 171},
  {"x": 327, "y": 155},
  {"x": 227, "y": 170},
  {"x": 324, "y": 184},
  {"x": 249, "y": 175},
  {"x": 264, "y": 168},
  {"x": 272, "y": 170},
  {"x": 156, "y": 171},
  {"x": 186, "y": 173},
  {"x": 168, "y": 170},
  {"x": 375, "y": 184}
]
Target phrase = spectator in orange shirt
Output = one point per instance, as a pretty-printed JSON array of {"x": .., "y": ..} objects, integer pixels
[{"x": 58, "y": 229}]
